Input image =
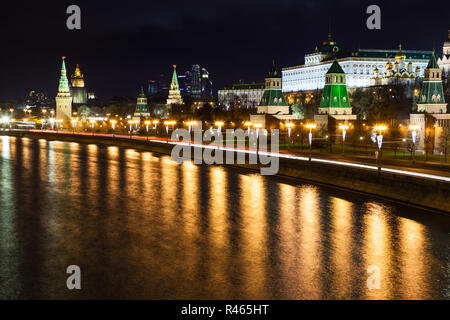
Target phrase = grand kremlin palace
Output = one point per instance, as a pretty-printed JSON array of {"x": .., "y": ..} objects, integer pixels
[{"x": 360, "y": 66}]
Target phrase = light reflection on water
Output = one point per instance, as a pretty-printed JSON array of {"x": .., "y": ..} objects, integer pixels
[{"x": 141, "y": 226}]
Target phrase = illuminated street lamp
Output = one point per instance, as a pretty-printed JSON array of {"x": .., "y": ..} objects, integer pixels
[
  {"x": 219, "y": 124},
  {"x": 168, "y": 123},
  {"x": 257, "y": 126},
  {"x": 289, "y": 126},
  {"x": 380, "y": 129},
  {"x": 147, "y": 123},
  {"x": 344, "y": 129},
  {"x": 190, "y": 124},
  {"x": 248, "y": 124},
  {"x": 414, "y": 128},
  {"x": 74, "y": 123},
  {"x": 310, "y": 126}
]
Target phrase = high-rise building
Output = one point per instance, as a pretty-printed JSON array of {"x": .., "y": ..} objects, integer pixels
[
  {"x": 63, "y": 98},
  {"x": 196, "y": 81},
  {"x": 78, "y": 90},
  {"x": 174, "y": 89},
  {"x": 207, "y": 89},
  {"x": 153, "y": 87}
]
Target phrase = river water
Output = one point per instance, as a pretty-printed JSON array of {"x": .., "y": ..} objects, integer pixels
[{"x": 140, "y": 226}]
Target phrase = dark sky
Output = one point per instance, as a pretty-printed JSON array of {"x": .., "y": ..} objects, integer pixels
[{"x": 123, "y": 44}]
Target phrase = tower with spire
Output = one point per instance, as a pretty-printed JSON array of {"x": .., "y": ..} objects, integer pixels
[
  {"x": 141, "y": 106},
  {"x": 431, "y": 97},
  {"x": 78, "y": 90},
  {"x": 174, "y": 90},
  {"x": 273, "y": 101},
  {"x": 63, "y": 98}
]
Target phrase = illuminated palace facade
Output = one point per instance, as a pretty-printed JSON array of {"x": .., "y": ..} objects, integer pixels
[{"x": 359, "y": 66}]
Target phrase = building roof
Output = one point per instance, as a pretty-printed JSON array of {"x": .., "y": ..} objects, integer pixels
[
  {"x": 273, "y": 73},
  {"x": 432, "y": 64},
  {"x": 335, "y": 68},
  {"x": 273, "y": 97},
  {"x": 245, "y": 86}
]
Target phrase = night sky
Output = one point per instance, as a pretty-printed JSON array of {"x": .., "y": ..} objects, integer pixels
[{"x": 123, "y": 44}]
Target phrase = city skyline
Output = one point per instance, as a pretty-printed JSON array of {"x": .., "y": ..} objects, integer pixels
[{"x": 107, "y": 50}]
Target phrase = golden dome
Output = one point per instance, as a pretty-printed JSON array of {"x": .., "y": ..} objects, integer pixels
[
  {"x": 375, "y": 70},
  {"x": 77, "y": 73},
  {"x": 417, "y": 69},
  {"x": 400, "y": 55},
  {"x": 389, "y": 65}
]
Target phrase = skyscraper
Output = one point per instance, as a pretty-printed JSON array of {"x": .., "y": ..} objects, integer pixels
[
  {"x": 63, "y": 98},
  {"x": 207, "y": 91},
  {"x": 196, "y": 81}
]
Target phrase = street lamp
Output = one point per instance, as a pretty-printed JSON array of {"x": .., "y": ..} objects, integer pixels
[
  {"x": 344, "y": 129},
  {"x": 219, "y": 124},
  {"x": 74, "y": 123},
  {"x": 379, "y": 128},
  {"x": 168, "y": 123},
  {"x": 414, "y": 127},
  {"x": 289, "y": 126},
  {"x": 248, "y": 124},
  {"x": 190, "y": 124},
  {"x": 257, "y": 126},
  {"x": 310, "y": 126}
]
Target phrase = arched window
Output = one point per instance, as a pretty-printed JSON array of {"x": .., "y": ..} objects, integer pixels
[{"x": 335, "y": 99}]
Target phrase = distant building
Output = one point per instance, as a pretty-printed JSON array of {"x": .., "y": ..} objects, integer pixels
[
  {"x": 78, "y": 90},
  {"x": 207, "y": 86},
  {"x": 63, "y": 98},
  {"x": 37, "y": 99},
  {"x": 241, "y": 95},
  {"x": 196, "y": 81}
]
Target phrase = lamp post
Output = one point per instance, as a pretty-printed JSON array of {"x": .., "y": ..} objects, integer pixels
[
  {"x": 344, "y": 129},
  {"x": 248, "y": 124},
  {"x": 169, "y": 123},
  {"x": 257, "y": 126},
  {"x": 219, "y": 125},
  {"x": 113, "y": 125},
  {"x": 414, "y": 127},
  {"x": 74, "y": 124},
  {"x": 310, "y": 126},
  {"x": 155, "y": 123},
  {"x": 380, "y": 129}
]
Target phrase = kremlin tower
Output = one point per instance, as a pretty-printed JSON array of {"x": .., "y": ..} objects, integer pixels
[
  {"x": 63, "y": 98},
  {"x": 174, "y": 91},
  {"x": 141, "y": 106},
  {"x": 78, "y": 89}
]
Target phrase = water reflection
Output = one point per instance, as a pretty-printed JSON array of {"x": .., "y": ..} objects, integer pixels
[{"x": 141, "y": 226}]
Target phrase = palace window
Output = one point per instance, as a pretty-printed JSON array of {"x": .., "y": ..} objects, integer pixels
[{"x": 335, "y": 99}]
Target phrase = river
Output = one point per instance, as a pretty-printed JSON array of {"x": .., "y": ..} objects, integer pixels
[{"x": 141, "y": 226}]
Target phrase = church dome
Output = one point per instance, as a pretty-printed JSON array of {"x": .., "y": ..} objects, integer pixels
[
  {"x": 389, "y": 65},
  {"x": 417, "y": 69},
  {"x": 400, "y": 55}
]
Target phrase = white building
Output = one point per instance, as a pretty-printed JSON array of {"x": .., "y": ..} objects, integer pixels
[
  {"x": 242, "y": 95},
  {"x": 359, "y": 66},
  {"x": 444, "y": 61}
]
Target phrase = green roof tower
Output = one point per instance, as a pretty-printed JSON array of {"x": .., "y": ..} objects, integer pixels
[
  {"x": 63, "y": 98},
  {"x": 141, "y": 105},
  {"x": 431, "y": 97},
  {"x": 335, "y": 99},
  {"x": 273, "y": 101},
  {"x": 174, "y": 90}
]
